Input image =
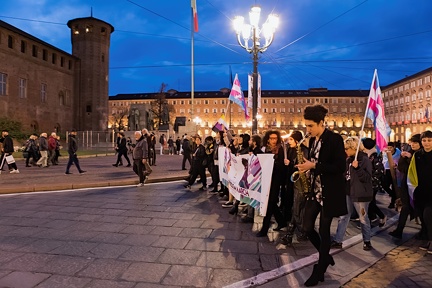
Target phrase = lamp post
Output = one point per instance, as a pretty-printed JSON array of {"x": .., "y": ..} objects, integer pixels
[{"x": 248, "y": 37}]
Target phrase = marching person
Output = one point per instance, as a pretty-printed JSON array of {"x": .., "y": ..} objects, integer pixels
[
  {"x": 72, "y": 150},
  {"x": 43, "y": 149},
  {"x": 326, "y": 166},
  {"x": 7, "y": 150},
  {"x": 359, "y": 192},
  {"x": 139, "y": 156},
  {"x": 122, "y": 150},
  {"x": 198, "y": 168}
]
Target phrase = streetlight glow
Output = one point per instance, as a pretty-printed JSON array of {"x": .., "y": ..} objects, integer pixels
[{"x": 248, "y": 37}]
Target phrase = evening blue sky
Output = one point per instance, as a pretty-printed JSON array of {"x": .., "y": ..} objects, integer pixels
[{"x": 333, "y": 43}]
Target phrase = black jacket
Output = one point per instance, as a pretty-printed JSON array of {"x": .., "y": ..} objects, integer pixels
[
  {"x": 360, "y": 182},
  {"x": 73, "y": 145},
  {"x": 331, "y": 168},
  {"x": 8, "y": 144}
]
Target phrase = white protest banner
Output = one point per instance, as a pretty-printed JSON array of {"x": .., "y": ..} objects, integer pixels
[{"x": 248, "y": 177}]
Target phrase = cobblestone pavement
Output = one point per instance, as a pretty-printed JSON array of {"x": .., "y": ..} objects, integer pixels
[{"x": 404, "y": 266}]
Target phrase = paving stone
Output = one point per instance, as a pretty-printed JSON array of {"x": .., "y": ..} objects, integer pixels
[
  {"x": 146, "y": 254},
  {"x": 57, "y": 281},
  {"x": 145, "y": 272},
  {"x": 234, "y": 246},
  {"x": 174, "y": 256},
  {"x": 41, "y": 246},
  {"x": 224, "y": 277},
  {"x": 137, "y": 229},
  {"x": 217, "y": 260},
  {"x": 137, "y": 220},
  {"x": 171, "y": 242},
  {"x": 28, "y": 262},
  {"x": 140, "y": 240},
  {"x": 74, "y": 248},
  {"x": 18, "y": 279},
  {"x": 168, "y": 231},
  {"x": 188, "y": 223},
  {"x": 188, "y": 276},
  {"x": 196, "y": 232},
  {"x": 64, "y": 265},
  {"x": 205, "y": 244},
  {"x": 105, "y": 269},
  {"x": 104, "y": 250},
  {"x": 6, "y": 256},
  {"x": 111, "y": 284}
]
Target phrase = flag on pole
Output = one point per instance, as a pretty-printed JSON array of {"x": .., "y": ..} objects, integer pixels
[
  {"x": 195, "y": 14},
  {"x": 237, "y": 96},
  {"x": 375, "y": 112},
  {"x": 427, "y": 113},
  {"x": 220, "y": 124},
  {"x": 250, "y": 84}
]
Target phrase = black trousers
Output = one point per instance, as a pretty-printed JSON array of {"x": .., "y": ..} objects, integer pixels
[
  {"x": 73, "y": 158},
  {"x": 388, "y": 180},
  {"x": 186, "y": 156},
  {"x": 374, "y": 210},
  {"x": 272, "y": 208},
  {"x": 198, "y": 169},
  {"x": 121, "y": 153},
  {"x": 138, "y": 168},
  {"x": 320, "y": 240}
]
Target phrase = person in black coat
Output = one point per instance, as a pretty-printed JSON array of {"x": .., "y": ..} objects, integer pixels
[
  {"x": 197, "y": 167},
  {"x": 326, "y": 167},
  {"x": 7, "y": 150},
  {"x": 122, "y": 150}
]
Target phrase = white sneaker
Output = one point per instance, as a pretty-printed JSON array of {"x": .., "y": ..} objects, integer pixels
[
  {"x": 15, "y": 171},
  {"x": 140, "y": 185}
]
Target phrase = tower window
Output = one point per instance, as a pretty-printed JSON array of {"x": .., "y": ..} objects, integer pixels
[
  {"x": 23, "y": 46},
  {"x": 62, "y": 61},
  {"x": 103, "y": 31},
  {"x": 75, "y": 30},
  {"x": 89, "y": 29},
  {"x": 45, "y": 54},
  {"x": 70, "y": 65},
  {"x": 88, "y": 109},
  {"x": 54, "y": 58},
  {"x": 103, "y": 57},
  {"x": 35, "y": 51},
  {"x": 10, "y": 41}
]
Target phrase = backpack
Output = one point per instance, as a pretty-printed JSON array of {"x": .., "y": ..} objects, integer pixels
[{"x": 378, "y": 170}]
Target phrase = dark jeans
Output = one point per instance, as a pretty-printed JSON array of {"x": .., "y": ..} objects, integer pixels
[
  {"x": 32, "y": 155},
  {"x": 122, "y": 153},
  {"x": 321, "y": 240},
  {"x": 73, "y": 158},
  {"x": 138, "y": 168},
  {"x": 186, "y": 156},
  {"x": 405, "y": 211}
]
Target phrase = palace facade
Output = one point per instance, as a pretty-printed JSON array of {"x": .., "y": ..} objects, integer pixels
[{"x": 48, "y": 89}]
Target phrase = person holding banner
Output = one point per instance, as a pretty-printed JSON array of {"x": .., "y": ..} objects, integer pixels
[
  {"x": 326, "y": 164},
  {"x": 272, "y": 141}
]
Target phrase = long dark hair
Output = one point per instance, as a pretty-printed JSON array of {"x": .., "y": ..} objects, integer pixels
[{"x": 267, "y": 137}]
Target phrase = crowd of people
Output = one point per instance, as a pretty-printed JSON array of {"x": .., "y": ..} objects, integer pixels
[
  {"x": 319, "y": 173},
  {"x": 337, "y": 176}
]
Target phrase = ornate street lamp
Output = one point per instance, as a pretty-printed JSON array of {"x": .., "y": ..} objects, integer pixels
[{"x": 248, "y": 37}]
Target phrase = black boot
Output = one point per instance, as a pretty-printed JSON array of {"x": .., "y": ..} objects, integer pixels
[
  {"x": 234, "y": 210},
  {"x": 315, "y": 278}
]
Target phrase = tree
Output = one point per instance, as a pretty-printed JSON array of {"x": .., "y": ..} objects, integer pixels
[
  {"x": 117, "y": 119},
  {"x": 160, "y": 109},
  {"x": 14, "y": 128}
]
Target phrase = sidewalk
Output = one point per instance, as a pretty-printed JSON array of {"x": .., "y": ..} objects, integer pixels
[
  {"x": 391, "y": 263},
  {"x": 100, "y": 172}
]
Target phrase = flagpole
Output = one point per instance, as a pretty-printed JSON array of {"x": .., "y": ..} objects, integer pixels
[
  {"x": 192, "y": 63},
  {"x": 364, "y": 118}
]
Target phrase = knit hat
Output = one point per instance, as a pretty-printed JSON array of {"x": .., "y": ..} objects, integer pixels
[
  {"x": 415, "y": 138},
  {"x": 297, "y": 136},
  {"x": 368, "y": 143}
]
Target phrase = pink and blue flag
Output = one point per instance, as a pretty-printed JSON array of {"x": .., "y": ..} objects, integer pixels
[
  {"x": 375, "y": 112},
  {"x": 237, "y": 96}
]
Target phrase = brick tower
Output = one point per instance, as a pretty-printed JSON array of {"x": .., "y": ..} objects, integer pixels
[{"x": 90, "y": 44}]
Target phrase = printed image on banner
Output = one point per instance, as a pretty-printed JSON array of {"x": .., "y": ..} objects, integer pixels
[{"x": 248, "y": 177}]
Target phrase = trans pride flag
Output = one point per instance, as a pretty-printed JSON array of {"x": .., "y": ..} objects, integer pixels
[
  {"x": 375, "y": 112},
  {"x": 237, "y": 96}
]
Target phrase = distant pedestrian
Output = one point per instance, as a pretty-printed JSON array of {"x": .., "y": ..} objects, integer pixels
[
  {"x": 162, "y": 141},
  {"x": 139, "y": 156},
  {"x": 122, "y": 151},
  {"x": 43, "y": 149},
  {"x": 186, "y": 152},
  {"x": 8, "y": 150},
  {"x": 72, "y": 150},
  {"x": 170, "y": 146},
  {"x": 178, "y": 145},
  {"x": 52, "y": 144}
]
